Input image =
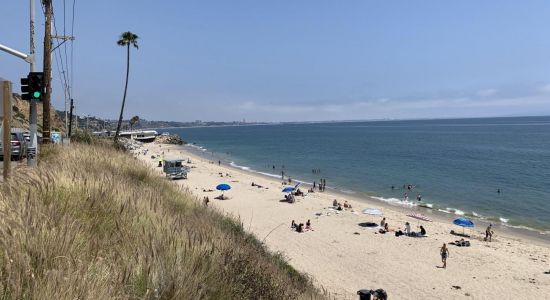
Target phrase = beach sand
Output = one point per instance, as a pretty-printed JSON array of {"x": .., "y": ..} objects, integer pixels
[{"x": 342, "y": 257}]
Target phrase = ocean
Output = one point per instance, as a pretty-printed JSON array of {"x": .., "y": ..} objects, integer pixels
[{"x": 457, "y": 165}]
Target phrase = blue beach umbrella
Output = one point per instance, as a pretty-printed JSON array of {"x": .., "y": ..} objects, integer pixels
[
  {"x": 223, "y": 187},
  {"x": 288, "y": 189},
  {"x": 463, "y": 222}
]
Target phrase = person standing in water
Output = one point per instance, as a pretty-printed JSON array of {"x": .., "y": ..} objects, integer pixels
[{"x": 444, "y": 255}]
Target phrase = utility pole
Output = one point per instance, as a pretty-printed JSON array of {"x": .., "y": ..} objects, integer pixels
[
  {"x": 71, "y": 119},
  {"x": 46, "y": 125}
]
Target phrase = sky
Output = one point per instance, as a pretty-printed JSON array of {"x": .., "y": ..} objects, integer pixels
[{"x": 296, "y": 60}]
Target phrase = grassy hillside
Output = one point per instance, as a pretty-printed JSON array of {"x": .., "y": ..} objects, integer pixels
[{"x": 94, "y": 223}]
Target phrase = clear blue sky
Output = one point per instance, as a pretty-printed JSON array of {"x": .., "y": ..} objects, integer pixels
[{"x": 301, "y": 60}]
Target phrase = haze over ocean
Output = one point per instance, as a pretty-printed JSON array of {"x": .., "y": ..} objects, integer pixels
[{"x": 457, "y": 165}]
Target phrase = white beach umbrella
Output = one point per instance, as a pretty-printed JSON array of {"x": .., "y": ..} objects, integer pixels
[{"x": 372, "y": 211}]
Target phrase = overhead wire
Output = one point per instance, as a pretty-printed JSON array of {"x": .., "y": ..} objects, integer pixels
[{"x": 64, "y": 77}]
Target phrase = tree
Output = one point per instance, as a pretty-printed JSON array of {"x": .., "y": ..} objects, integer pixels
[
  {"x": 126, "y": 39},
  {"x": 133, "y": 121}
]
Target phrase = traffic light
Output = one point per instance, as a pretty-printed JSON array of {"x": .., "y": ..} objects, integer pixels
[{"x": 32, "y": 87}]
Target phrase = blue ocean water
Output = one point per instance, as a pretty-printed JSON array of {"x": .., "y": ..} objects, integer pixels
[{"x": 456, "y": 165}]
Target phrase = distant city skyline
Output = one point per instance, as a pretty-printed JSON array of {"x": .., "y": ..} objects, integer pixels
[{"x": 297, "y": 60}]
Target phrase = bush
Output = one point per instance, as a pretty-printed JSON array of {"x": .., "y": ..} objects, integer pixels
[{"x": 83, "y": 137}]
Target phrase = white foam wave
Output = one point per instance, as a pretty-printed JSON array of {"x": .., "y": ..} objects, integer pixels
[
  {"x": 302, "y": 182},
  {"x": 395, "y": 201},
  {"x": 503, "y": 220},
  {"x": 201, "y": 148},
  {"x": 348, "y": 192},
  {"x": 450, "y": 210},
  {"x": 233, "y": 164},
  {"x": 270, "y": 175}
]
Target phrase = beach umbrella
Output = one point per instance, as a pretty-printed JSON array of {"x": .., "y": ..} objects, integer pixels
[
  {"x": 372, "y": 211},
  {"x": 463, "y": 222},
  {"x": 288, "y": 189},
  {"x": 223, "y": 187}
]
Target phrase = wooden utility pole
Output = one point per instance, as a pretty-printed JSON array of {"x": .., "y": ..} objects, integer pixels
[
  {"x": 6, "y": 108},
  {"x": 46, "y": 125}
]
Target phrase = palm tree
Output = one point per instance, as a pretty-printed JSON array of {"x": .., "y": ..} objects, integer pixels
[
  {"x": 133, "y": 121},
  {"x": 126, "y": 39}
]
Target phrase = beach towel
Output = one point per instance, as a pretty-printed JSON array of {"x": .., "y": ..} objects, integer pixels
[{"x": 419, "y": 217}]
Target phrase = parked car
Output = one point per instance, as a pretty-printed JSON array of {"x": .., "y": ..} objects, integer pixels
[{"x": 18, "y": 146}]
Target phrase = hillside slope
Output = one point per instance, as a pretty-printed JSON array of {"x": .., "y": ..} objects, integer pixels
[
  {"x": 94, "y": 223},
  {"x": 20, "y": 115}
]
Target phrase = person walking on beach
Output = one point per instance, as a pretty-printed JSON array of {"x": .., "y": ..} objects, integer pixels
[
  {"x": 489, "y": 233},
  {"x": 444, "y": 254},
  {"x": 282, "y": 175}
]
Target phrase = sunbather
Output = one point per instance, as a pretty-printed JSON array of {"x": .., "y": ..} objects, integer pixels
[
  {"x": 384, "y": 229},
  {"x": 334, "y": 203},
  {"x": 422, "y": 231}
]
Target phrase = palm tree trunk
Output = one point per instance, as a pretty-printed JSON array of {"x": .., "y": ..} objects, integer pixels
[{"x": 124, "y": 97}]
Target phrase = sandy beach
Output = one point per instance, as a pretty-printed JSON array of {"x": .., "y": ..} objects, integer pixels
[{"x": 342, "y": 257}]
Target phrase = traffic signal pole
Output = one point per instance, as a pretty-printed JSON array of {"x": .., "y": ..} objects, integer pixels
[
  {"x": 32, "y": 149},
  {"x": 30, "y": 58}
]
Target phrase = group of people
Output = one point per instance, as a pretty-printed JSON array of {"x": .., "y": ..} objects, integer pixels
[
  {"x": 384, "y": 227},
  {"x": 290, "y": 198},
  {"x": 300, "y": 227},
  {"x": 339, "y": 206},
  {"x": 322, "y": 184}
]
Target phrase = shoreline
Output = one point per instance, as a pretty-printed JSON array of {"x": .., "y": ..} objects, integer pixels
[{"x": 522, "y": 233}]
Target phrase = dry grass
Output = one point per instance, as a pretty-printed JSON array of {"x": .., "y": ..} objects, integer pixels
[{"x": 94, "y": 223}]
